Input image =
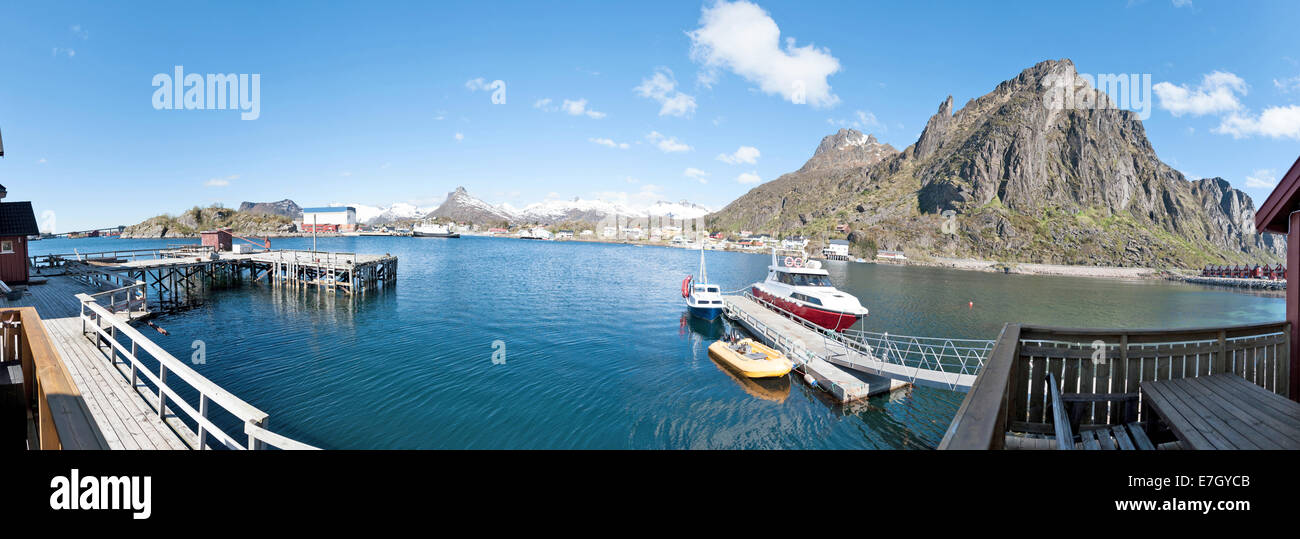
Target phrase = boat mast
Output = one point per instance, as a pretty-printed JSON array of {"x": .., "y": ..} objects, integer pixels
[{"x": 704, "y": 276}]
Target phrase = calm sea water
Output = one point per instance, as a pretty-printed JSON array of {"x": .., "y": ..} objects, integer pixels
[{"x": 599, "y": 352}]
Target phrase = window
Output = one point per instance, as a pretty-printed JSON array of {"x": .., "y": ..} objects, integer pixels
[{"x": 6, "y": 246}]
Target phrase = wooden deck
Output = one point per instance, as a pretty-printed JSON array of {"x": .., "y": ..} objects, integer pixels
[
  {"x": 1224, "y": 411},
  {"x": 124, "y": 418}
]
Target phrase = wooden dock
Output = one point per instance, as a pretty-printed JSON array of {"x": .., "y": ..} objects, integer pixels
[
  {"x": 809, "y": 350},
  {"x": 178, "y": 277},
  {"x": 124, "y": 418}
]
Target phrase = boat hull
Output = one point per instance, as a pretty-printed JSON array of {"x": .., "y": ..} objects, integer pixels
[
  {"x": 832, "y": 320},
  {"x": 434, "y": 235},
  {"x": 707, "y": 313}
]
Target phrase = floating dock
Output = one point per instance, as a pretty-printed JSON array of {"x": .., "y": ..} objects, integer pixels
[
  {"x": 807, "y": 349},
  {"x": 855, "y": 364}
]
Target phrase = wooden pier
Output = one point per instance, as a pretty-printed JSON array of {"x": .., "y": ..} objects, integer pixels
[
  {"x": 178, "y": 277},
  {"x": 93, "y": 381}
]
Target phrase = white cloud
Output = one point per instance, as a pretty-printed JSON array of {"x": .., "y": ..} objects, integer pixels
[
  {"x": 221, "y": 182},
  {"x": 579, "y": 108},
  {"x": 1217, "y": 93},
  {"x": 697, "y": 174},
  {"x": 662, "y": 87},
  {"x": 745, "y": 154},
  {"x": 1274, "y": 122},
  {"x": 41, "y": 161},
  {"x": 544, "y": 104},
  {"x": 667, "y": 144},
  {"x": 749, "y": 177},
  {"x": 59, "y": 50},
  {"x": 80, "y": 32},
  {"x": 1262, "y": 179},
  {"x": 1182, "y": 3},
  {"x": 741, "y": 37},
  {"x": 610, "y": 143},
  {"x": 460, "y": 137},
  {"x": 1287, "y": 85},
  {"x": 478, "y": 84}
]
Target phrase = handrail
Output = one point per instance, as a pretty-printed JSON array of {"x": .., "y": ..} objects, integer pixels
[
  {"x": 258, "y": 434},
  {"x": 136, "y": 296},
  {"x": 981, "y": 420},
  {"x": 62, "y": 419},
  {"x": 168, "y": 364}
]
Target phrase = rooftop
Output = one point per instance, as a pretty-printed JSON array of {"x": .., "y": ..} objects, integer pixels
[{"x": 17, "y": 219}]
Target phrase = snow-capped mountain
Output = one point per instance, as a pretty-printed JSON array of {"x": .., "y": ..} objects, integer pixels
[
  {"x": 399, "y": 211},
  {"x": 462, "y": 207}
]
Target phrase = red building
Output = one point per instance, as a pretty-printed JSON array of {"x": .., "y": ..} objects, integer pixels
[
  {"x": 1280, "y": 214},
  {"x": 219, "y": 240},
  {"x": 17, "y": 221}
]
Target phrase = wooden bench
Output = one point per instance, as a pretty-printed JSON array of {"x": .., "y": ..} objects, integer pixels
[{"x": 1067, "y": 412}]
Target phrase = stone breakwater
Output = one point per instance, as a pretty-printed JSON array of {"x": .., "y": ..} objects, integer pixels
[{"x": 1253, "y": 284}]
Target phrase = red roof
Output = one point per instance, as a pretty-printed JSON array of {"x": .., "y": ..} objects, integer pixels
[{"x": 1285, "y": 198}]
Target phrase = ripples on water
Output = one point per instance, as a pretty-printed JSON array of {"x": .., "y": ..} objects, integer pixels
[{"x": 598, "y": 352}]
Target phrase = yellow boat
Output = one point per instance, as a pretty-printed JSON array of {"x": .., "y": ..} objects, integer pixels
[{"x": 750, "y": 359}]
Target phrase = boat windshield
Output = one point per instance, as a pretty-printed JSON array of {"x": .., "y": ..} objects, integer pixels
[{"x": 803, "y": 279}]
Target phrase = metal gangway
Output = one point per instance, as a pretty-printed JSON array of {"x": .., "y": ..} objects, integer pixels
[{"x": 945, "y": 363}]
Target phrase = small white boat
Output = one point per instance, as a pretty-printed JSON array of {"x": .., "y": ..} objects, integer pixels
[{"x": 703, "y": 300}]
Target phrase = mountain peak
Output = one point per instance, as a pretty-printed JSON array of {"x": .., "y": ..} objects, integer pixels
[{"x": 848, "y": 148}]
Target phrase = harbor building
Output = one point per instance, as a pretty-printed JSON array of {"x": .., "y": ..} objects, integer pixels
[
  {"x": 329, "y": 219},
  {"x": 17, "y": 222},
  {"x": 836, "y": 250}
]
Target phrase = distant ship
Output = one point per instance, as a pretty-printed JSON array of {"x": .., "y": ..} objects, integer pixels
[{"x": 434, "y": 231}]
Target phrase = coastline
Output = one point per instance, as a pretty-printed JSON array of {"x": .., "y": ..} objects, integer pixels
[{"x": 1098, "y": 272}]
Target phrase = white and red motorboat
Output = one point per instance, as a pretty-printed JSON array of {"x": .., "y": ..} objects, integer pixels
[{"x": 802, "y": 288}]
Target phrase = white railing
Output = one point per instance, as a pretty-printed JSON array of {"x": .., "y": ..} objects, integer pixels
[
  {"x": 936, "y": 361},
  {"x": 254, "y": 420},
  {"x": 130, "y": 299}
]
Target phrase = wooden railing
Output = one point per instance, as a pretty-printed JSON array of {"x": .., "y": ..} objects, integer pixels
[
  {"x": 131, "y": 299},
  {"x": 106, "y": 328},
  {"x": 1010, "y": 395},
  {"x": 61, "y": 417},
  {"x": 57, "y": 260}
]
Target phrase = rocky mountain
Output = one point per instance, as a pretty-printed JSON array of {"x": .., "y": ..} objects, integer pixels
[
  {"x": 461, "y": 207},
  {"x": 1024, "y": 178},
  {"x": 195, "y": 220},
  {"x": 286, "y": 208}
]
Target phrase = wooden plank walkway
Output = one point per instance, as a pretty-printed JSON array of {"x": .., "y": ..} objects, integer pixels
[
  {"x": 786, "y": 335},
  {"x": 125, "y": 419}
]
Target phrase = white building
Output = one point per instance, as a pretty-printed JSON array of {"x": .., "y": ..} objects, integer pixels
[
  {"x": 610, "y": 232},
  {"x": 329, "y": 219},
  {"x": 836, "y": 249}
]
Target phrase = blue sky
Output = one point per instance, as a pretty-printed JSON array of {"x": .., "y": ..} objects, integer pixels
[{"x": 376, "y": 103}]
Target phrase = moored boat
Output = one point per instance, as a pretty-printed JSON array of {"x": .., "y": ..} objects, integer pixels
[
  {"x": 802, "y": 288},
  {"x": 433, "y": 231},
  {"x": 750, "y": 358},
  {"x": 703, "y": 300}
]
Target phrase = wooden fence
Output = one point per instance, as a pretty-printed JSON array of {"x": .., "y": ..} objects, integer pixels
[{"x": 1010, "y": 395}]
